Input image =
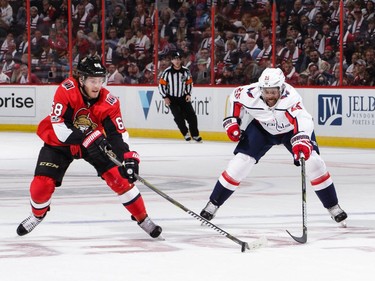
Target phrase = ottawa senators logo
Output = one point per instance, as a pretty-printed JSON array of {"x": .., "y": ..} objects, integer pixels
[{"x": 83, "y": 121}]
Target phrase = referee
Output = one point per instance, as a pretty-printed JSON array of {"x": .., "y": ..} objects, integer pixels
[{"x": 175, "y": 86}]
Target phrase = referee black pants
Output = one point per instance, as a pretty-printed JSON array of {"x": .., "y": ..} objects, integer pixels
[{"x": 183, "y": 110}]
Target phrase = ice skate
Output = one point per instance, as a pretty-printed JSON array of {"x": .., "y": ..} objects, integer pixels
[
  {"x": 150, "y": 227},
  {"x": 197, "y": 139},
  {"x": 28, "y": 224},
  {"x": 338, "y": 214},
  {"x": 209, "y": 211},
  {"x": 187, "y": 137}
]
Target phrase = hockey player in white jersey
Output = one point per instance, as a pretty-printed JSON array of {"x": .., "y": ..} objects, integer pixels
[{"x": 279, "y": 117}]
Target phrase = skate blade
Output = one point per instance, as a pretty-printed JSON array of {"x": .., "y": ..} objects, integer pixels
[
  {"x": 160, "y": 238},
  {"x": 343, "y": 224}
]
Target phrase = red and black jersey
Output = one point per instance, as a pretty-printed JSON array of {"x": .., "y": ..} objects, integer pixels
[{"x": 72, "y": 115}]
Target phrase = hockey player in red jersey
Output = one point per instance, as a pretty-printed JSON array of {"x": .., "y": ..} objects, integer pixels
[
  {"x": 279, "y": 117},
  {"x": 85, "y": 122}
]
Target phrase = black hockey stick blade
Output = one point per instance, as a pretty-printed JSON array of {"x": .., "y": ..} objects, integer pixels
[
  {"x": 258, "y": 243},
  {"x": 302, "y": 239}
]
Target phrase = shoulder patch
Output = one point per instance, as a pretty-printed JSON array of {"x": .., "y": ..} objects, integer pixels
[
  {"x": 296, "y": 107},
  {"x": 285, "y": 94},
  {"x": 237, "y": 92},
  {"x": 249, "y": 92},
  {"x": 68, "y": 84},
  {"x": 111, "y": 99}
]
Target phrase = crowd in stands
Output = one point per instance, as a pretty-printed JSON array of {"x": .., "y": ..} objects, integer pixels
[{"x": 307, "y": 47}]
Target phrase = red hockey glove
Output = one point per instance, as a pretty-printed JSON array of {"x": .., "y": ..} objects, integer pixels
[
  {"x": 232, "y": 126},
  {"x": 301, "y": 144},
  {"x": 96, "y": 145},
  {"x": 130, "y": 166}
]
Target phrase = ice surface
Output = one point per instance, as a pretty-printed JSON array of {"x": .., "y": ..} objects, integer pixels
[{"x": 88, "y": 235}]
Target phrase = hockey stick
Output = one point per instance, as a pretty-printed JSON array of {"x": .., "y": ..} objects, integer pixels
[
  {"x": 259, "y": 243},
  {"x": 303, "y": 238}
]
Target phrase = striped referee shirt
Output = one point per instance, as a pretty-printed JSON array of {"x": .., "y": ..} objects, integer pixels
[{"x": 175, "y": 83}]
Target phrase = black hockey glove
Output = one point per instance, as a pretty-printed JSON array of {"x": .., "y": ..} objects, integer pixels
[
  {"x": 130, "y": 166},
  {"x": 96, "y": 145}
]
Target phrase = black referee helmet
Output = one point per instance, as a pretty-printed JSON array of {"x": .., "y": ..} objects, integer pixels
[{"x": 176, "y": 54}]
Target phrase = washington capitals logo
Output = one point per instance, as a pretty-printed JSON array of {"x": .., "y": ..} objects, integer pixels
[
  {"x": 146, "y": 98},
  {"x": 249, "y": 92}
]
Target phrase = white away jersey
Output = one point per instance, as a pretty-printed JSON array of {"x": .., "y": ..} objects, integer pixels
[{"x": 288, "y": 113}]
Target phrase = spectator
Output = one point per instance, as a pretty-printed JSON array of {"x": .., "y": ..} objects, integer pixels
[
  {"x": 239, "y": 76},
  {"x": 350, "y": 70},
  {"x": 251, "y": 70},
  {"x": 303, "y": 78},
  {"x": 202, "y": 18},
  {"x": 310, "y": 9},
  {"x": 314, "y": 57},
  {"x": 183, "y": 32},
  {"x": 370, "y": 61},
  {"x": 81, "y": 20},
  {"x": 148, "y": 75},
  {"x": 133, "y": 74},
  {"x": 314, "y": 34},
  {"x": 319, "y": 21},
  {"x": 149, "y": 28},
  {"x": 4, "y": 79},
  {"x": 291, "y": 76},
  {"x": 231, "y": 56},
  {"x": 252, "y": 48},
  {"x": 5, "y": 46},
  {"x": 49, "y": 15},
  {"x": 26, "y": 78},
  {"x": 119, "y": 20},
  {"x": 369, "y": 36},
  {"x": 142, "y": 47},
  {"x": 329, "y": 56},
  {"x": 109, "y": 55},
  {"x": 8, "y": 64},
  {"x": 369, "y": 11},
  {"x": 135, "y": 24},
  {"x": 163, "y": 64},
  {"x": 334, "y": 18},
  {"x": 22, "y": 44},
  {"x": 266, "y": 52},
  {"x": 359, "y": 27},
  {"x": 203, "y": 75},
  {"x": 20, "y": 20},
  {"x": 54, "y": 74},
  {"x": 336, "y": 78},
  {"x": 126, "y": 40},
  {"x": 37, "y": 43},
  {"x": 57, "y": 43},
  {"x": 141, "y": 13},
  {"x": 113, "y": 76},
  {"x": 81, "y": 43},
  {"x": 227, "y": 77},
  {"x": 289, "y": 52},
  {"x": 361, "y": 76},
  {"x": 112, "y": 37},
  {"x": 6, "y": 17},
  {"x": 326, "y": 39}
]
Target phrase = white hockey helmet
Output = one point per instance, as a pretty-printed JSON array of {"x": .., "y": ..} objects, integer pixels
[{"x": 272, "y": 78}]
